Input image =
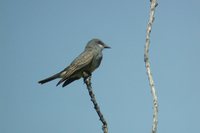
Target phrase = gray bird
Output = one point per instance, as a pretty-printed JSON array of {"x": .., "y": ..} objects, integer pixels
[{"x": 86, "y": 62}]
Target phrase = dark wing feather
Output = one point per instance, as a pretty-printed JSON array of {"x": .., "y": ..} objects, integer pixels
[{"x": 68, "y": 81}]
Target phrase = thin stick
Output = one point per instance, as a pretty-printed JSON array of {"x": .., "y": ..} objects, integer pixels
[
  {"x": 147, "y": 65},
  {"x": 87, "y": 81}
]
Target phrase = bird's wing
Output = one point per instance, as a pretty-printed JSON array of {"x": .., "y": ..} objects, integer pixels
[
  {"x": 83, "y": 60},
  {"x": 80, "y": 62}
]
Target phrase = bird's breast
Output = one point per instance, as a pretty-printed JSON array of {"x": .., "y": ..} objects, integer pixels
[{"x": 96, "y": 62}]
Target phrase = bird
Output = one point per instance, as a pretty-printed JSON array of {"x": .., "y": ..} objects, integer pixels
[{"x": 88, "y": 61}]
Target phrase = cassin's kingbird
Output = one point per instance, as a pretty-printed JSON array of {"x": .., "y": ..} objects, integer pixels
[{"x": 86, "y": 62}]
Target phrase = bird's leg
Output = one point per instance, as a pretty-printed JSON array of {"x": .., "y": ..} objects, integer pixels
[{"x": 87, "y": 77}]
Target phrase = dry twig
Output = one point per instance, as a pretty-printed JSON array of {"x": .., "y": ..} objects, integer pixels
[{"x": 87, "y": 81}]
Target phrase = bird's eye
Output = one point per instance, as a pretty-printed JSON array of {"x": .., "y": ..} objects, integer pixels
[{"x": 99, "y": 42}]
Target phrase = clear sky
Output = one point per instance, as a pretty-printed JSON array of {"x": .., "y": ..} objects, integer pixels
[{"x": 39, "y": 38}]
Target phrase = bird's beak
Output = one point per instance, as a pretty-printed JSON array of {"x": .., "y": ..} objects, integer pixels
[{"x": 106, "y": 46}]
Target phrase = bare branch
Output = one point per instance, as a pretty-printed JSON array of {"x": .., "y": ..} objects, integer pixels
[
  {"x": 87, "y": 81},
  {"x": 147, "y": 65}
]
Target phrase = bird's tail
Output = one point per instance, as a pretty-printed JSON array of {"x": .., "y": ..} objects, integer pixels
[{"x": 49, "y": 78}]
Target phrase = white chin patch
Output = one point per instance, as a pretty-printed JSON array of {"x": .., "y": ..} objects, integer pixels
[{"x": 100, "y": 45}]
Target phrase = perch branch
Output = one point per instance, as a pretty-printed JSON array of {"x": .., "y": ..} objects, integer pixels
[
  {"x": 147, "y": 65},
  {"x": 87, "y": 81}
]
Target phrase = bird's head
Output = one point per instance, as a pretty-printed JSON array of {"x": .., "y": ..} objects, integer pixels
[{"x": 96, "y": 43}]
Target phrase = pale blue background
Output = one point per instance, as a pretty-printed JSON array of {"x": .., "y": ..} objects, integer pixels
[{"x": 40, "y": 37}]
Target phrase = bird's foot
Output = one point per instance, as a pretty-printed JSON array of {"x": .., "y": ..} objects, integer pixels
[{"x": 87, "y": 77}]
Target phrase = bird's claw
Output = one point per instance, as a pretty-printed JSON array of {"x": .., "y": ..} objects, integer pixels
[{"x": 87, "y": 77}]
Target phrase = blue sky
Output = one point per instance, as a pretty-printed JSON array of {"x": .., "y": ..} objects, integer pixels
[{"x": 39, "y": 38}]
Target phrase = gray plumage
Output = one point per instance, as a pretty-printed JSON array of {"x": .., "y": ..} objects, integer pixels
[{"x": 86, "y": 62}]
